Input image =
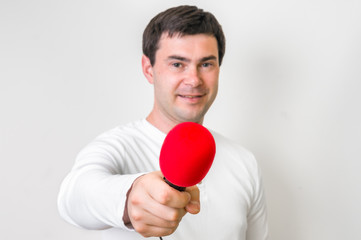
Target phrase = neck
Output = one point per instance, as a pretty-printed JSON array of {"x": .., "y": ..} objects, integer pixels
[{"x": 163, "y": 123}]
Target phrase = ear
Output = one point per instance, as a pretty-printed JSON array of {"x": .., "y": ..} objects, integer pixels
[{"x": 147, "y": 69}]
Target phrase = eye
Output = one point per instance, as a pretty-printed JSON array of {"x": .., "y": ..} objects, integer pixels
[
  {"x": 177, "y": 65},
  {"x": 207, "y": 64}
]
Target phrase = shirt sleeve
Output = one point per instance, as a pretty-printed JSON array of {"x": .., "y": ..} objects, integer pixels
[
  {"x": 257, "y": 228},
  {"x": 93, "y": 194}
]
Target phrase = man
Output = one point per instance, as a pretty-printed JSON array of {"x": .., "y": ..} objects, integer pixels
[{"x": 116, "y": 184}]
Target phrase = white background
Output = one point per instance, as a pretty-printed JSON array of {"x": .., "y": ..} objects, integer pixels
[{"x": 289, "y": 91}]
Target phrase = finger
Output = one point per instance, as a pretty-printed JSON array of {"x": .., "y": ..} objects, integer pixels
[
  {"x": 149, "y": 219},
  {"x": 193, "y": 206},
  {"x": 154, "y": 231},
  {"x": 166, "y": 195},
  {"x": 146, "y": 202},
  {"x": 164, "y": 212}
]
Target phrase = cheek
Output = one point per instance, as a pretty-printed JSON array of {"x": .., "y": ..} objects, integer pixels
[
  {"x": 168, "y": 83},
  {"x": 164, "y": 89},
  {"x": 213, "y": 88},
  {"x": 213, "y": 83}
]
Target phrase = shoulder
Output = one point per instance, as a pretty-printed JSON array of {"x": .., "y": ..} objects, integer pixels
[
  {"x": 124, "y": 137},
  {"x": 133, "y": 131},
  {"x": 129, "y": 129}
]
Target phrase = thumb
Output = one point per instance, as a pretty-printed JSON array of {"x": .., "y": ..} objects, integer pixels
[{"x": 193, "y": 206}]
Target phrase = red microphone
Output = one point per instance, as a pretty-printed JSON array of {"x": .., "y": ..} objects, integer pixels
[{"x": 186, "y": 155}]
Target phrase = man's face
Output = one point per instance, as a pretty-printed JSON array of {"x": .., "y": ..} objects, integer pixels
[{"x": 185, "y": 77}]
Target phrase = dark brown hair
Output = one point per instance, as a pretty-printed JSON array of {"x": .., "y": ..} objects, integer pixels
[{"x": 182, "y": 20}]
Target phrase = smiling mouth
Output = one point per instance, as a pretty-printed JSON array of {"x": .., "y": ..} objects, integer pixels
[{"x": 191, "y": 96}]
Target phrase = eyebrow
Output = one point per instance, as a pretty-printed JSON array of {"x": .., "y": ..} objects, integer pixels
[
  {"x": 184, "y": 59},
  {"x": 212, "y": 57}
]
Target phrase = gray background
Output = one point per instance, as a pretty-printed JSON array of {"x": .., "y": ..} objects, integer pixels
[{"x": 289, "y": 91}]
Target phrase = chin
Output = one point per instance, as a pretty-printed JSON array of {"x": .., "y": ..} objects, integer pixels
[
  {"x": 196, "y": 119},
  {"x": 191, "y": 115}
]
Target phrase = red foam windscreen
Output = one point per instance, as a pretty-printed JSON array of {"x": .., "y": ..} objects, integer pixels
[{"x": 187, "y": 154}]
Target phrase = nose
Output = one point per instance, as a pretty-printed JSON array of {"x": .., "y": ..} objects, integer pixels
[{"x": 193, "y": 77}]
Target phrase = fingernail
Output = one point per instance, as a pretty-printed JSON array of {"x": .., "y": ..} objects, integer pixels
[{"x": 196, "y": 204}]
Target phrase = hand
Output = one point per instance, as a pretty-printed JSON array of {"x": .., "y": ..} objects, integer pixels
[{"x": 156, "y": 209}]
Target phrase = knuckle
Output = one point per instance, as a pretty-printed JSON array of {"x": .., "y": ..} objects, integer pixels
[
  {"x": 140, "y": 228},
  {"x": 136, "y": 216},
  {"x": 134, "y": 201},
  {"x": 174, "y": 224},
  {"x": 175, "y": 216},
  {"x": 164, "y": 196},
  {"x": 169, "y": 231}
]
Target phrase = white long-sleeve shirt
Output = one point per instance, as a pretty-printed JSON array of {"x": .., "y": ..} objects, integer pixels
[{"x": 93, "y": 194}]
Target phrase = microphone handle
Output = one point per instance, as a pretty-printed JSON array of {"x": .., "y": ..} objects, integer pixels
[{"x": 181, "y": 189}]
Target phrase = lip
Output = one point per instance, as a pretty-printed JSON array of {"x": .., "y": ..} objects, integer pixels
[{"x": 191, "y": 98}]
